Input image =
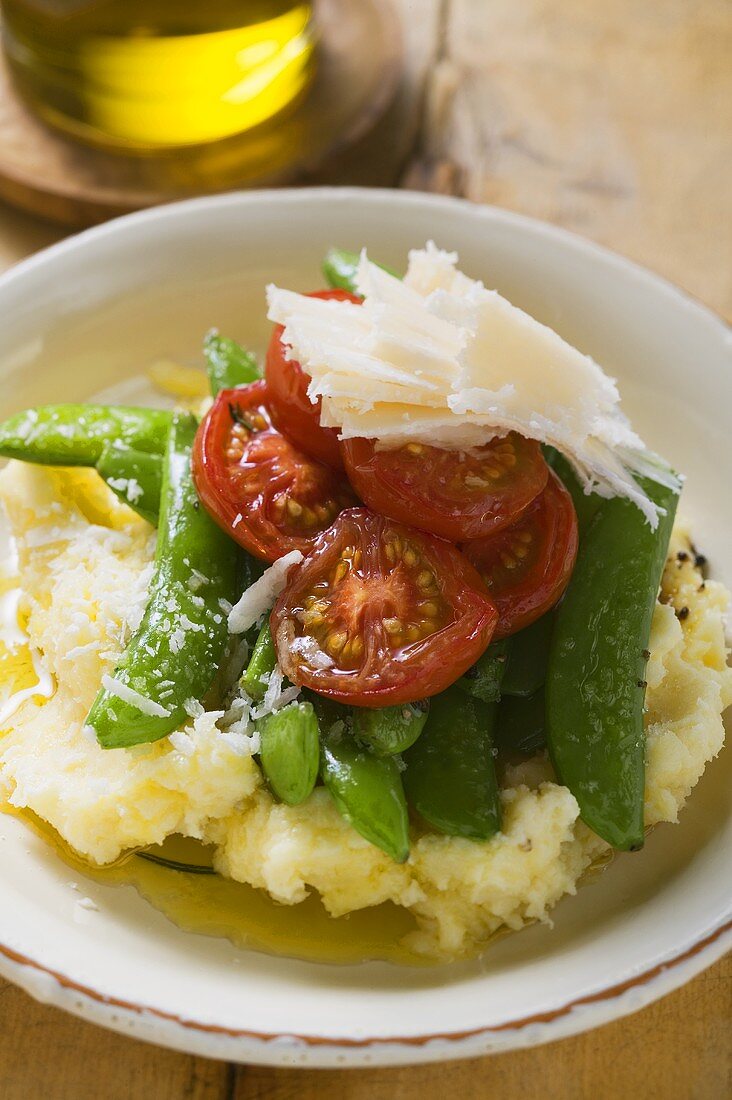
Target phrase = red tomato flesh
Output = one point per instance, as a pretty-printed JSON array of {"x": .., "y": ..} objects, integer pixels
[
  {"x": 381, "y": 614},
  {"x": 458, "y": 495},
  {"x": 527, "y": 567},
  {"x": 292, "y": 410},
  {"x": 269, "y": 496}
]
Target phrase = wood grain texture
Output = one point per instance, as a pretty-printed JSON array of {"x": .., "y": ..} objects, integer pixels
[
  {"x": 47, "y": 1055},
  {"x": 613, "y": 120},
  {"x": 637, "y": 1057}
]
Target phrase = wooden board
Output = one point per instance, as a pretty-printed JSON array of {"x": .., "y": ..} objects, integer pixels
[
  {"x": 613, "y": 120},
  {"x": 678, "y": 1049},
  {"x": 357, "y": 77}
]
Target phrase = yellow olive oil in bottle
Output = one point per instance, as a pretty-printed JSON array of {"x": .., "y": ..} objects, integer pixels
[{"x": 149, "y": 75}]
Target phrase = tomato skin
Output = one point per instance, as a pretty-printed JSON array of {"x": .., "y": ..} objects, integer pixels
[
  {"x": 265, "y": 493},
  {"x": 380, "y": 614},
  {"x": 293, "y": 413},
  {"x": 448, "y": 493},
  {"x": 527, "y": 566}
]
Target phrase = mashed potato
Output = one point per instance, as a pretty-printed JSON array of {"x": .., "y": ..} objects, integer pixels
[{"x": 85, "y": 562}]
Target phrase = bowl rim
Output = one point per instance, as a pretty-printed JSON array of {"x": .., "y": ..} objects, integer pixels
[
  {"x": 240, "y": 1044},
  {"x": 246, "y": 1045}
]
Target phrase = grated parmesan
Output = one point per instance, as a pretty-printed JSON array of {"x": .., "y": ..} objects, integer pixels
[
  {"x": 129, "y": 486},
  {"x": 275, "y": 697},
  {"x": 128, "y": 695},
  {"x": 308, "y": 648}
]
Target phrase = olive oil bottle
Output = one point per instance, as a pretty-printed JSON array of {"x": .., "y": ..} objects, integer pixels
[{"x": 149, "y": 75}]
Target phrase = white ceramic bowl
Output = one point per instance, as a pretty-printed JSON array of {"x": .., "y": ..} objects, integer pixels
[{"x": 85, "y": 313}]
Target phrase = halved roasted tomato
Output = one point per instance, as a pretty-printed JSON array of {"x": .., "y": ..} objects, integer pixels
[
  {"x": 292, "y": 410},
  {"x": 269, "y": 496},
  {"x": 459, "y": 495},
  {"x": 527, "y": 567},
  {"x": 381, "y": 614}
]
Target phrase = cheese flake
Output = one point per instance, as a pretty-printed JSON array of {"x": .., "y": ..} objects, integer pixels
[
  {"x": 260, "y": 596},
  {"x": 440, "y": 359},
  {"x": 134, "y": 698}
]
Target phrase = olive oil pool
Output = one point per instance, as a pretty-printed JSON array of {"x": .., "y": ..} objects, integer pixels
[{"x": 149, "y": 75}]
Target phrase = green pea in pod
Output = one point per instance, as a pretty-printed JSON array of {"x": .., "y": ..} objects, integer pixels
[
  {"x": 228, "y": 364},
  {"x": 135, "y": 477},
  {"x": 290, "y": 751},
  {"x": 390, "y": 730},
  {"x": 179, "y": 646},
  {"x": 75, "y": 435},
  {"x": 595, "y": 688},
  {"x": 261, "y": 664},
  {"x": 367, "y": 790},
  {"x": 450, "y": 778}
]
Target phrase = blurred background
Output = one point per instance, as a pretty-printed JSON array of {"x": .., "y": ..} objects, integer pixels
[{"x": 611, "y": 119}]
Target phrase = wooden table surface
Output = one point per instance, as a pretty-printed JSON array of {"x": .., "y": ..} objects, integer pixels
[{"x": 613, "y": 120}]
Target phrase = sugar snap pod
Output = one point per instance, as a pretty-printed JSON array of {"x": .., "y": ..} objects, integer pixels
[
  {"x": 75, "y": 435},
  {"x": 450, "y": 777},
  {"x": 290, "y": 751},
  {"x": 176, "y": 651},
  {"x": 595, "y": 687},
  {"x": 135, "y": 477},
  {"x": 227, "y": 363},
  {"x": 367, "y": 790}
]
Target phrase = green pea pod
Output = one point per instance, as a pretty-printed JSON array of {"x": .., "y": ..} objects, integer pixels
[
  {"x": 521, "y": 723},
  {"x": 290, "y": 751},
  {"x": 585, "y": 504},
  {"x": 135, "y": 477},
  {"x": 261, "y": 664},
  {"x": 340, "y": 268},
  {"x": 525, "y": 670},
  {"x": 595, "y": 682},
  {"x": 390, "y": 730},
  {"x": 484, "y": 679},
  {"x": 176, "y": 651},
  {"x": 228, "y": 364},
  {"x": 367, "y": 790},
  {"x": 75, "y": 435},
  {"x": 450, "y": 778}
]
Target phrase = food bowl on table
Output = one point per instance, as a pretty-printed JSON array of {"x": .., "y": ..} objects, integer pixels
[{"x": 92, "y": 314}]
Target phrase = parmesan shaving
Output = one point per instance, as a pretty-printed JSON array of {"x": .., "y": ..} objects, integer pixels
[
  {"x": 438, "y": 358},
  {"x": 260, "y": 596}
]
